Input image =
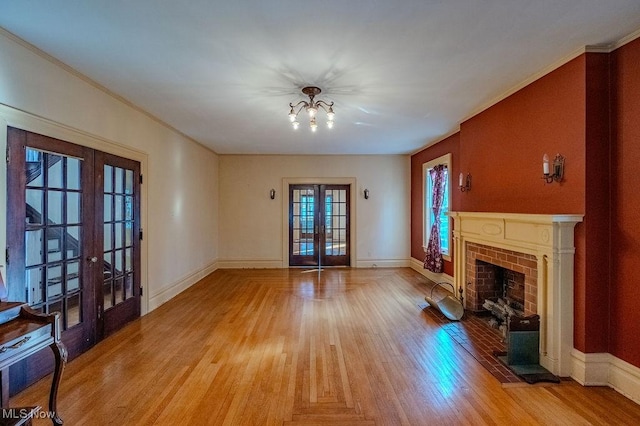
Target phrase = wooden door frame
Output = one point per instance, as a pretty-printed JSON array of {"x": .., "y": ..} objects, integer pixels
[
  {"x": 10, "y": 117},
  {"x": 351, "y": 181}
]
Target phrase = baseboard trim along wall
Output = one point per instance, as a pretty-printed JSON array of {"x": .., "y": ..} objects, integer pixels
[
  {"x": 250, "y": 264},
  {"x": 179, "y": 286},
  {"x": 418, "y": 266},
  {"x": 604, "y": 369},
  {"x": 382, "y": 263},
  {"x": 277, "y": 264}
]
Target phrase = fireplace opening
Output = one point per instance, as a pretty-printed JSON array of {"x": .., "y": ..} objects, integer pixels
[
  {"x": 495, "y": 273},
  {"x": 494, "y": 282},
  {"x": 502, "y": 292}
]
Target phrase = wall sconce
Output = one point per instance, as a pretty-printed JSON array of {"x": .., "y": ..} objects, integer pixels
[
  {"x": 366, "y": 194},
  {"x": 464, "y": 183},
  {"x": 558, "y": 169},
  {"x": 272, "y": 194}
]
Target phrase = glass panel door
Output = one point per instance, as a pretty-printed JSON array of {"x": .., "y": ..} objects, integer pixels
[
  {"x": 49, "y": 231},
  {"x": 336, "y": 225},
  {"x": 73, "y": 241},
  {"x": 319, "y": 225},
  {"x": 119, "y": 185},
  {"x": 303, "y": 236}
]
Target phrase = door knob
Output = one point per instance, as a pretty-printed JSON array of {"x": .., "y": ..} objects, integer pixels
[{"x": 92, "y": 259}]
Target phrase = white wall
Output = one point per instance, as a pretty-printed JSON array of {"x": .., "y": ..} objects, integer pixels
[
  {"x": 252, "y": 225},
  {"x": 180, "y": 191}
]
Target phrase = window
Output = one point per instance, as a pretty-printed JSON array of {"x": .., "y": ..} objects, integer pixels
[{"x": 445, "y": 229}]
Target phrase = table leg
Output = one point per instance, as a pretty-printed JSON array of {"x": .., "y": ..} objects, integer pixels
[{"x": 60, "y": 354}]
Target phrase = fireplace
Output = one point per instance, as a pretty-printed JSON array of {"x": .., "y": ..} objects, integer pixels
[
  {"x": 538, "y": 247},
  {"x": 493, "y": 272}
]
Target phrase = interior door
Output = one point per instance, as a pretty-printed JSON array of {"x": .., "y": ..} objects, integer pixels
[
  {"x": 73, "y": 236},
  {"x": 49, "y": 230},
  {"x": 118, "y": 231},
  {"x": 319, "y": 225}
]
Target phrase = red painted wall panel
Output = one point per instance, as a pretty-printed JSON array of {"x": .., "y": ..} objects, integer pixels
[
  {"x": 449, "y": 145},
  {"x": 625, "y": 197},
  {"x": 595, "y": 324},
  {"x": 502, "y": 147}
]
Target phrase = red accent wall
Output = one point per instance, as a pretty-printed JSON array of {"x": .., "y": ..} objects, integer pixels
[
  {"x": 447, "y": 146},
  {"x": 502, "y": 147},
  {"x": 587, "y": 110},
  {"x": 591, "y": 328},
  {"x": 625, "y": 200}
]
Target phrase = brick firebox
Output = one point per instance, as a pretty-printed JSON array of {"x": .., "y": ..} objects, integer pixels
[{"x": 481, "y": 283}]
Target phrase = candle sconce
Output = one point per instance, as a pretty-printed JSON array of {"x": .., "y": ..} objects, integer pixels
[
  {"x": 557, "y": 166},
  {"x": 464, "y": 183}
]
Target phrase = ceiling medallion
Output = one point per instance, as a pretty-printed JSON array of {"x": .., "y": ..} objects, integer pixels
[{"x": 312, "y": 108}]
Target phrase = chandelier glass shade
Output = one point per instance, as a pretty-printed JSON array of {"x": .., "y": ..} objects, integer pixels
[{"x": 312, "y": 108}]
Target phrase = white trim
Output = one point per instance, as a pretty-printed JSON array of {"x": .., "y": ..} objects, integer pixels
[
  {"x": 353, "y": 197},
  {"x": 590, "y": 369},
  {"x": 23, "y": 120},
  {"x": 250, "y": 264},
  {"x": 446, "y": 160},
  {"x": 382, "y": 263},
  {"x": 418, "y": 266},
  {"x": 435, "y": 141},
  {"x": 628, "y": 39},
  {"x": 180, "y": 285},
  {"x": 604, "y": 369},
  {"x": 279, "y": 264},
  {"x": 536, "y": 76}
]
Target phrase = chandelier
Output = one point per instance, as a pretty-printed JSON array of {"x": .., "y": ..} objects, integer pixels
[{"x": 312, "y": 108}]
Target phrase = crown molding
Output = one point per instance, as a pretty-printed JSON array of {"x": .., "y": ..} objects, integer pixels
[
  {"x": 628, "y": 39},
  {"x": 436, "y": 141},
  {"x": 536, "y": 76},
  {"x": 74, "y": 72},
  {"x": 541, "y": 73}
]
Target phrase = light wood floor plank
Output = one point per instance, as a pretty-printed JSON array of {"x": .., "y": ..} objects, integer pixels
[{"x": 273, "y": 347}]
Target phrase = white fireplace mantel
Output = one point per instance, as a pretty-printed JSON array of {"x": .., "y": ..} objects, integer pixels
[{"x": 550, "y": 238}]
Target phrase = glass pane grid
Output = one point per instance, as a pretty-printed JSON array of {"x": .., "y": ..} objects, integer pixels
[
  {"x": 118, "y": 235},
  {"x": 52, "y": 248},
  {"x": 335, "y": 220}
]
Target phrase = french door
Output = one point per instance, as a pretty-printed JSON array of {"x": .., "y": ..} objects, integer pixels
[
  {"x": 73, "y": 240},
  {"x": 319, "y": 232}
]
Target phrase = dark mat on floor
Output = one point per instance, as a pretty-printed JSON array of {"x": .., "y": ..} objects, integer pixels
[
  {"x": 531, "y": 373},
  {"x": 540, "y": 377}
]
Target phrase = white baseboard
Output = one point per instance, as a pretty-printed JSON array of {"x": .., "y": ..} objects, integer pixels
[
  {"x": 604, "y": 369},
  {"x": 179, "y": 286},
  {"x": 382, "y": 263},
  {"x": 249, "y": 264},
  {"x": 418, "y": 266},
  {"x": 276, "y": 264}
]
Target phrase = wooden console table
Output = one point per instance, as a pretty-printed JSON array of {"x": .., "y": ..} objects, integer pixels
[{"x": 24, "y": 332}]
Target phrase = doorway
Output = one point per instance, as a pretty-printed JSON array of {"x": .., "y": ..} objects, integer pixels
[
  {"x": 73, "y": 237},
  {"x": 319, "y": 225}
]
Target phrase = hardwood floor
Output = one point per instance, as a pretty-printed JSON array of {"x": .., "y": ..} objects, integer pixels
[{"x": 344, "y": 347}]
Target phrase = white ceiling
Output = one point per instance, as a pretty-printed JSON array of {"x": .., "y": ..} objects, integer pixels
[{"x": 402, "y": 73}]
